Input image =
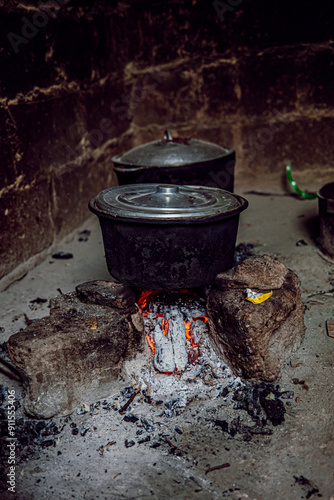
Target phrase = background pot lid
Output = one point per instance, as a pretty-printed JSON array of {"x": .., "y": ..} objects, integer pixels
[
  {"x": 171, "y": 152},
  {"x": 163, "y": 203}
]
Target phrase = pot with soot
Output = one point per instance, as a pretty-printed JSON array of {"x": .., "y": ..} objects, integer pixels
[{"x": 167, "y": 237}]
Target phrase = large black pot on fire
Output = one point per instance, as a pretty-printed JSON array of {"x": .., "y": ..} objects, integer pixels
[
  {"x": 167, "y": 237},
  {"x": 177, "y": 161}
]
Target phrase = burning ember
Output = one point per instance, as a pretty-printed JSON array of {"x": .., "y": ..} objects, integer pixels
[{"x": 173, "y": 323}]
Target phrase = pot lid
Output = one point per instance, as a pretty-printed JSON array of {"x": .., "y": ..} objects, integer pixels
[
  {"x": 166, "y": 203},
  {"x": 171, "y": 152}
]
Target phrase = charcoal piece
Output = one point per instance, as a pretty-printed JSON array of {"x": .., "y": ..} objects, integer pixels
[
  {"x": 275, "y": 410},
  {"x": 168, "y": 413},
  {"x": 155, "y": 445},
  {"x": 106, "y": 293},
  {"x": 144, "y": 440},
  {"x": 261, "y": 401},
  {"x": 173, "y": 403},
  {"x": 84, "y": 235},
  {"x": 178, "y": 430},
  {"x": 75, "y": 431},
  {"x": 39, "y": 300},
  {"x": 127, "y": 392},
  {"x": 48, "y": 442},
  {"x": 302, "y": 481},
  {"x": 148, "y": 424},
  {"x": 223, "y": 393},
  {"x": 62, "y": 255},
  {"x": 222, "y": 424},
  {"x": 234, "y": 427},
  {"x": 2, "y": 329},
  {"x": 85, "y": 408},
  {"x": 301, "y": 243},
  {"x": 84, "y": 430},
  {"x": 4, "y": 350},
  {"x": 129, "y": 444},
  {"x": 130, "y": 418},
  {"x": 305, "y": 482}
]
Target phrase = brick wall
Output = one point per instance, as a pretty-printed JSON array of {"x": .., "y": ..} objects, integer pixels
[{"x": 83, "y": 80}]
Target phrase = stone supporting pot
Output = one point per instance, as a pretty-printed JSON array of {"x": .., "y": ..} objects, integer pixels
[{"x": 256, "y": 338}]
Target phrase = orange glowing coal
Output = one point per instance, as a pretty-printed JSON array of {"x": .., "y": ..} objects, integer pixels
[
  {"x": 151, "y": 343},
  {"x": 144, "y": 299},
  {"x": 143, "y": 302},
  {"x": 205, "y": 319}
]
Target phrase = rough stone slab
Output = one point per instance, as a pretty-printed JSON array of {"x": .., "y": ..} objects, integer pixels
[
  {"x": 74, "y": 355},
  {"x": 261, "y": 271},
  {"x": 256, "y": 338},
  {"x": 256, "y": 272},
  {"x": 106, "y": 293}
]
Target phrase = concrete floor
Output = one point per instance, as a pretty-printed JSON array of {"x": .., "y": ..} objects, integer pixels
[{"x": 295, "y": 462}]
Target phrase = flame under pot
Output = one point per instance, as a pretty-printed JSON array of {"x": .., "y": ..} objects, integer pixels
[{"x": 167, "y": 237}]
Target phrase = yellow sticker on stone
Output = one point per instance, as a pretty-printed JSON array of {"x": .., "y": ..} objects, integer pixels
[{"x": 257, "y": 298}]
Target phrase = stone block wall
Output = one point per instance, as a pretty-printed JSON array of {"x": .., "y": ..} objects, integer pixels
[{"x": 83, "y": 80}]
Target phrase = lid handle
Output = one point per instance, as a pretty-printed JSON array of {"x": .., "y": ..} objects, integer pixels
[
  {"x": 168, "y": 135},
  {"x": 166, "y": 189}
]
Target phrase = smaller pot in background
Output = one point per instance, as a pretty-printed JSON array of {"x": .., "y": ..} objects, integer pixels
[
  {"x": 177, "y": 161},
  {"x": 326, "y": 217}
]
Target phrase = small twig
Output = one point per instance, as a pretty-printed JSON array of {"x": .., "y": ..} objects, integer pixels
[
  {"x": 129, "y": 401},
  {"x": 175, "y": 446},
  {"x": 59, "y": 291},
  {"x": 295, "y": 366},
  {"x": 217, "y": 467},
  {"x": 109, "y": 444}
]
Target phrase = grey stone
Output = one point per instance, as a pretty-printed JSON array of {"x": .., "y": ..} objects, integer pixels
[
  {"x": 74, "y": 355},
  {"x": 256, "y": 338},
  {"x": 261, "y": 272},
  {"x": 106, "y": 293}
]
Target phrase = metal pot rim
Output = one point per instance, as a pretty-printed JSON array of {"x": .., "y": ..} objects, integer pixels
[{"x": 163, "y": 204}]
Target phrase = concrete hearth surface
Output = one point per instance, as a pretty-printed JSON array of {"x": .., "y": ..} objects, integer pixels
[{"x": 98, "y": 454}]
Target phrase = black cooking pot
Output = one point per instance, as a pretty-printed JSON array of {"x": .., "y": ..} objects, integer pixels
[
  {"x": 177, "y": 161},
  {"x": 326, "y": 217},
  {"x": 167, "y": 237}
]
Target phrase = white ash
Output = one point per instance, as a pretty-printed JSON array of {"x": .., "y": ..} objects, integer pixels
[
  {"x": 206, "y": 375},
  {"x": 173, "y": 350}
]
